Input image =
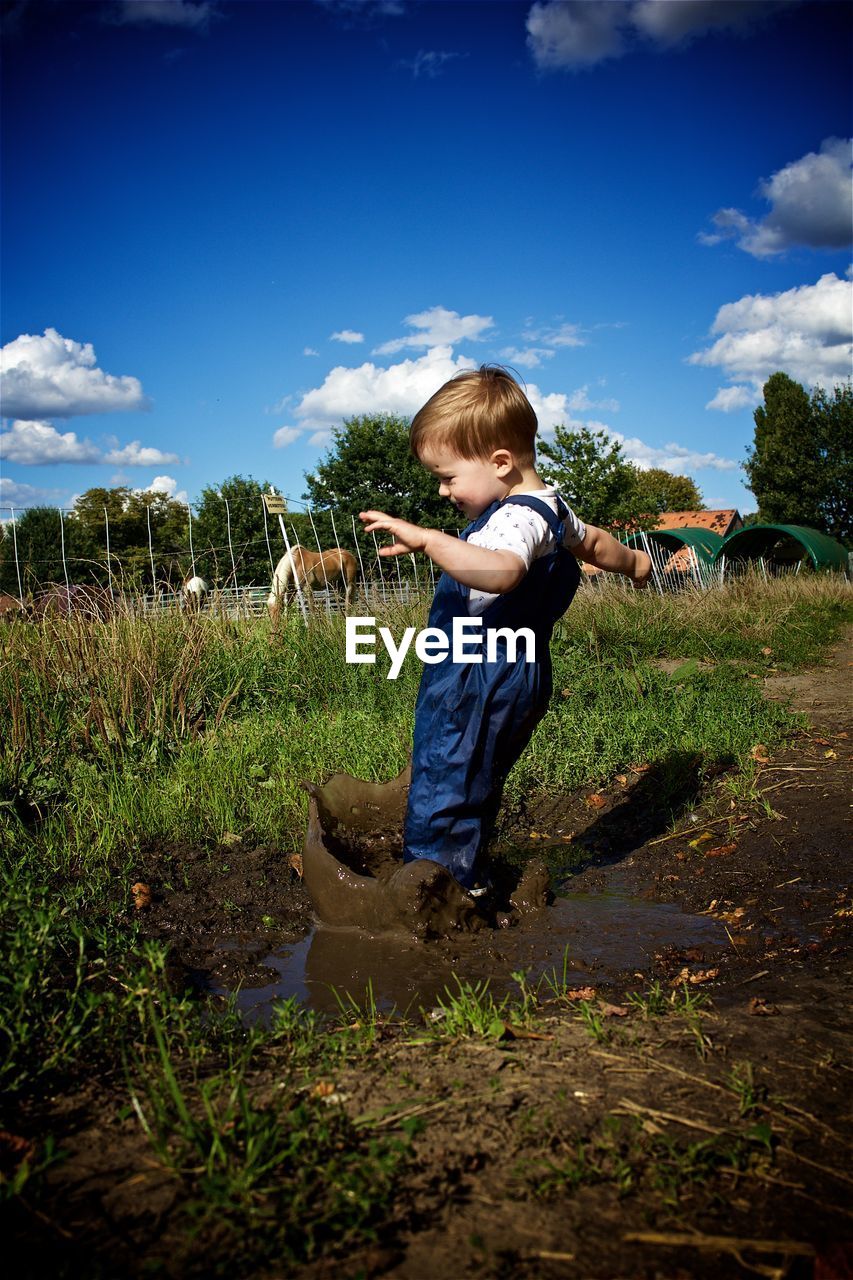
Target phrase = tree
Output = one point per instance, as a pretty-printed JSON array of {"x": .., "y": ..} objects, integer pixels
[
  {"x": 591, "y": 473},
  {"x": 800, "y": 467},
  {"x": 39, "y": 534},
  {"x": 370, "y": 465},
  {"x": 130, "y": 514},
  {"x": 243, "y": 518},
  {"x": 655, "y": 491}
]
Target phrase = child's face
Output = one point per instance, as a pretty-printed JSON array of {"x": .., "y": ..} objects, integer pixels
[{"x": 471, "y": 484}]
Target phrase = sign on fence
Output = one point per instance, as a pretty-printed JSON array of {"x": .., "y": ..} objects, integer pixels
[{"x": 276, "y": 505}]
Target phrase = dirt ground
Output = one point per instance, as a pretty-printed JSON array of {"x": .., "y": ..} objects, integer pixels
[{"x": 607, "y": 1139}]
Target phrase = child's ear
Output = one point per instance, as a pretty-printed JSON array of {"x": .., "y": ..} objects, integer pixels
[{"x": 502, "y": 460}]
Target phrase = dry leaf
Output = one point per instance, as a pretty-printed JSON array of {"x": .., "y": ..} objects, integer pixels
[
  {"x": 613, "y": 1010},
  {"x": 596, "y": 801},
  {"x": 694, "y": 979},
  {"x": 622, "y": 778},
  {"x": 295, "y": 861},
  {"x": 767, "y": 652},
  {"x": 759, "y": 1006},
  {"x": 721, "y": 850},
  {"x": 759, "y": 753},
  {"x": 706, "y": 835},
  {"x": 141, "y": 895},
  {"x": 322, "y": 1089},
  {"x": 830, "y": 755},
  {"x": 640, "y": 768},
  {"x": 581, "y": 993}
]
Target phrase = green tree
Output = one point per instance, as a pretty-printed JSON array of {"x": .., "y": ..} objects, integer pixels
[
  {"x": 245, "y": 513},
  {"x": 370, "y": 465},
  {"x": 130, "y": 514},
  {"x": 655, "y": 491},
  {"x": 800, "y": 467},
  {"x": 39, "y": 537},
  {"x": 591, "y": 472}
]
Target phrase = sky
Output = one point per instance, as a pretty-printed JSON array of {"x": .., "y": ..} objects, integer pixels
[{"x": 228, "y": 226}]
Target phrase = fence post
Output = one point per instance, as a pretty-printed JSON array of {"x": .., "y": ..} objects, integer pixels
[
  {"x": 109, "y": 561},
  {"x": 192, "y": 553},
  {"x": 151, "y": 557},
  {"x": 267, "y": 536},
  {"x": 17, "y": 563},
  {"x": 322, "y": 561},
  {"x": 278, "y": 506},
  {"x": 230, "y": 546},
  {"x": 62, "y": 545},
  {"x": 360, "y": 561}
]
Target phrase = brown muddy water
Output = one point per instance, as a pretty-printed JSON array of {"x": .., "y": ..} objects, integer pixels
[
  {"x": 399, "y": 935},
  {"x": 590, "y": 937}
]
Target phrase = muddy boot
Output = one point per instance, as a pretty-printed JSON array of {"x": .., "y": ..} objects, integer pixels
[
  {"x": 533, "y": 890},
  {"x": 430, "y": 902}
]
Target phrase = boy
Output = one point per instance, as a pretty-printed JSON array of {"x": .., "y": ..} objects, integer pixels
[{"x": 511, "y": 566}]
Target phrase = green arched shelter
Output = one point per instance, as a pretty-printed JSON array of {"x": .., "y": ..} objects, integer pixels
[
  {"x": 705, "y": 542},
  {"x": 784, "y": 544}
]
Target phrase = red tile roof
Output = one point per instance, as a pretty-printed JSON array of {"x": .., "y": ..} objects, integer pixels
[{"x": 722, "y": 522}]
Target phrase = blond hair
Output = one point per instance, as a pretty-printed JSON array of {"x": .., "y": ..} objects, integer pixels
[{"x": 476, "y": 413}]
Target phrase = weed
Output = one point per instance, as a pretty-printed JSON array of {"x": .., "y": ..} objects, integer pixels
[
  {"x": 472, "y": 1011},
  {"x": 593, "y": 1022}
]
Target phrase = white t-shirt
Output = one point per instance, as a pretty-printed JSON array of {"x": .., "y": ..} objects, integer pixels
[{"x": 525, "y": 533}]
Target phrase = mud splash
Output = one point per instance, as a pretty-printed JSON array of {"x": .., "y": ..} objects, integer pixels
[
  {"x": 584, "y": 937},
  {"x": 407, "y": 932}
]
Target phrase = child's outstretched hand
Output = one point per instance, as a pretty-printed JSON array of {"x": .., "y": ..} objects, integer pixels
[
  {"x": 642, "y": 569},
  {"x": 407, "y": 537}
]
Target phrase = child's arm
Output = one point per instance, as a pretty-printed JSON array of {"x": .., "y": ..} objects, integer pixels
[
  {"x": 606, "y": 552},
  {"x": 492, "y": 571}
]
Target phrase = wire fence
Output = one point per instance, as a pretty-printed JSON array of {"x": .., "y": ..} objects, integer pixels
[{"x": 379, "y": 580}]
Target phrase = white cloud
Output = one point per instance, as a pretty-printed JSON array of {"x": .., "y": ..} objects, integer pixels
[
  {"x": 168, "y": 13},
  {"x": 730, "y": 399},
  {"x": 285, "y": 436},
  {"x": 806, "y": 332},
  {"x": 671, "y": 22},
  {"x": 429, "y": 62},
  {"x": 671, "y": 457},
  {"x": 437, "y": 327},
  {"x": 15, "y": 494},
  {"x": 309, "y": 351},
  {"x": 136, "y": 454},
  {"x": 169, "y": 486},
  {"x": 527, "y": 357},
  {"x": 320, "y": 438},
  {"x": 579, "y": 400},
  {"x": 562, "y": 335},
  {"x": 37, "y": 443},
  {"x": 51, "y": 376},
  {"x": 811, "y": 203},
  {"x": 572, "y": 34},
  {"x": 400, "y": 389},
  {"x": 347, "y": 335}
]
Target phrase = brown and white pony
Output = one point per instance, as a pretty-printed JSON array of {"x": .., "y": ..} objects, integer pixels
[
  {"x": 194, "y": 592},
  {"x": 313, "y": 571}
]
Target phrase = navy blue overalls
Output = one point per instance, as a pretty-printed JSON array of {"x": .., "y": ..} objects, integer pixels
[{"x": 473, "y": 720}]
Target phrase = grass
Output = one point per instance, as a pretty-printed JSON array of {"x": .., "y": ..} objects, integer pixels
[{"x": 193, "y": 729}]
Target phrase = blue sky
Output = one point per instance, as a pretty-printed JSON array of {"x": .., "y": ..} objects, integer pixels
[{"x": 228, "y": 226}]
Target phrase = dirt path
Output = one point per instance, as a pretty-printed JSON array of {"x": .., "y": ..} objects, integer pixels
[{"x": 687, "y": 1117}]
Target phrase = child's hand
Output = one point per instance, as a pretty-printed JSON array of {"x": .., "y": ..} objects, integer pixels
[
  {"x": 407, "y": 537},
  {"x": 642, "y": 569}
]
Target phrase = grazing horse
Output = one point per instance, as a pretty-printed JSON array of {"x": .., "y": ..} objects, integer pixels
[
  {"x": 312, "y": 571},
  {"x": 194, "y": 593}
]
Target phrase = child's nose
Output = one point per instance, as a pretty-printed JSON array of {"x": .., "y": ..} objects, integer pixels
[{"x": 443, "y": 490}]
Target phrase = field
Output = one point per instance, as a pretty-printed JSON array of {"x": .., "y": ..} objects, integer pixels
[{"x": 647, "y": 1078}]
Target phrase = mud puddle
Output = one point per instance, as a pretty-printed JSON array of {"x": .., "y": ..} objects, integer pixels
[{"x": 587, "y": 936}]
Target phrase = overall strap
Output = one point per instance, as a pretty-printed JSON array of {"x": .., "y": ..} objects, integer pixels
[{"x": 554, "y": 522}]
